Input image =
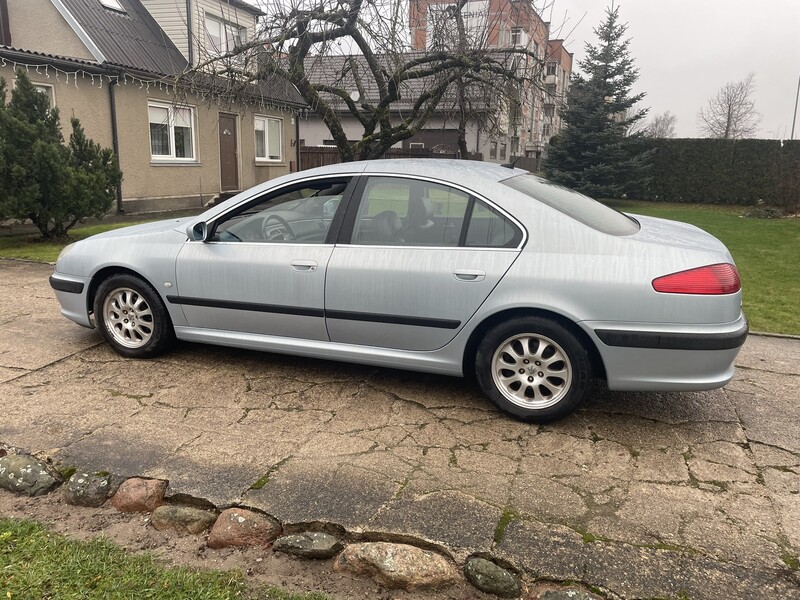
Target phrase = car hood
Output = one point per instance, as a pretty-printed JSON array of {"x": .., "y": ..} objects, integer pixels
[
  {"x": 674, "y": 233},
  {"x": 155, "y": 227}
]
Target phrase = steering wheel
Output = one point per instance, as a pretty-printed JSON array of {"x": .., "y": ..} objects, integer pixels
[{"x": 281, "y": 232}]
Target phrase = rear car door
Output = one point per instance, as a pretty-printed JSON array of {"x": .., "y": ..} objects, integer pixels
[
  {"x": 415, "y": 260},
  {"x": 262, "y": 270}
]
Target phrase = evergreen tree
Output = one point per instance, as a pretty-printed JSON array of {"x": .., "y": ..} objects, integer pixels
[
  {"x": 596, "y": 152},
  {"x": 44, "y": 180}
]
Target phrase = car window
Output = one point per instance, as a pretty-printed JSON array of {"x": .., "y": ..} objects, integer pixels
[
  {"x": 409, "y": 212},
  {"x": 581, "y": 208},
  {"x": 298, "y": 214},
  {"x": 489, "y": 229}
]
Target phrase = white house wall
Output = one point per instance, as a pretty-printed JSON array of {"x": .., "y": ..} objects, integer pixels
[{"x": 171, "y": 16}]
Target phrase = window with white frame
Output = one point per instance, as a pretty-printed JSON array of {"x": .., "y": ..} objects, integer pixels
[
  {"x": 222, "y": 36},
  {"x": 269, "y": 138},
  {"x": 171, "y": 131},
  {"x": 551, "y": 68},
  {"x": 47, "y": 90},
  {"x": 516, "y": 36}
]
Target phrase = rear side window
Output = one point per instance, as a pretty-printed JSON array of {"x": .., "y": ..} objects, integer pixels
[
  {"x": 489, "y": 229},
  {"x": 581, "y": 208}
]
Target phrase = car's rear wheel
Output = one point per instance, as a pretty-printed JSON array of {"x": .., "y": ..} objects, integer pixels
[
  {"x": 132, "y": 318},
  {"x": 533, "y": 368}
]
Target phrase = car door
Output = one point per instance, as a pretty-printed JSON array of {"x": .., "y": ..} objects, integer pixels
[
  {"x": 415, "y": 260},
  {"x": 262, "y": 268}
]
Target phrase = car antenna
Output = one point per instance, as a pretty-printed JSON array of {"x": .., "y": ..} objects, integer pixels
[{"x": 512, "y": 164}]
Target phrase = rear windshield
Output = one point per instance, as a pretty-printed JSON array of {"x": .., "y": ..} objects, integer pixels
[{"x": 581, "y": 208}]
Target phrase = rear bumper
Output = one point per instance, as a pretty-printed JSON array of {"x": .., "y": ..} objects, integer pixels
[
  {"x": 644, "y": 357},
  {"x": 660, "y": 340}
]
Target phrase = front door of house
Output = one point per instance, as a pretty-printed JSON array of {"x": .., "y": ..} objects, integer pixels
[{"x": 228, "y": 153}]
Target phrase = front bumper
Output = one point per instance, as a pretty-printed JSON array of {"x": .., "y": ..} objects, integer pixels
[
  {"x": 72, "y": 292},
  {"x": 657, "y": 357}
]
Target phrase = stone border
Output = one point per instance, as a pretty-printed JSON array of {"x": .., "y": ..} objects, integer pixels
[{"x": 392, "y": 561}]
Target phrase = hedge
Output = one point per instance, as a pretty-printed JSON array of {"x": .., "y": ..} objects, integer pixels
[{"x": 725, "y": 172}]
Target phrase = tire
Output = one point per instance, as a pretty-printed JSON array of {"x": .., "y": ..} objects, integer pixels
[
  {"x": 533, "y": 369},
  {"x": 132, "y": 318}
]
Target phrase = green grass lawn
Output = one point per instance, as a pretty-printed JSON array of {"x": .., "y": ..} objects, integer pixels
[
  {"x": 35, "y": 563},
  {"x": 31, "y": 247},
  {"x": 766, "y": 251}
]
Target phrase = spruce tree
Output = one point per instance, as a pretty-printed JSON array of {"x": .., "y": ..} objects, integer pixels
[
  {"x": 43, "y": 180},
  {"x": 596, "y": 152}
]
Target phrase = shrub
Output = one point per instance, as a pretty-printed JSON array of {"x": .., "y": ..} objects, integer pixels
[{"x": 52, "y": 184}]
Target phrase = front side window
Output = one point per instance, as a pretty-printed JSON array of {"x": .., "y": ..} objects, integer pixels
[
  {"x": 551, "y": 68},
  {"x": 269, "y": 141},
  {"x": 493, "y": 149},
  {"x": 298, "y": 214},
  {"x": 171, "y": 131},
  {"x": 396, "y": 211},
  {"x": 502, "y": 151},
  {"x": 222, "y": 37}
]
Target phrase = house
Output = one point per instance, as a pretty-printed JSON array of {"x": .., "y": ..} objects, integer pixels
[
  {"x": 351, "y": 73},
  {"x": 533, "y": 119},
  {"x": 113, "y": 64}
]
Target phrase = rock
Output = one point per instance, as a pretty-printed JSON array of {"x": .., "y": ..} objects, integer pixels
[
  {"x": 83, "y": 489},
  {"x": 183, "y": 519},
  {"x": 139, "y": 495},
  {"x": 492, "y": 578},
  {"x": 398, "y": 565},
  {"x": 309, "y": 545},
  {"x": 24, "y": 474},
  {"x": 241, "y": 527}
]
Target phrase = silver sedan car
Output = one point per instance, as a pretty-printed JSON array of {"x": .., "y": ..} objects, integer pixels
[{"x": 451, "y": 267}]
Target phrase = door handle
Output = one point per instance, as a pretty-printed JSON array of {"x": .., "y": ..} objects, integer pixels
[
  {"x": 469, "y": 275},
  {"x": 304, "y": 266}
]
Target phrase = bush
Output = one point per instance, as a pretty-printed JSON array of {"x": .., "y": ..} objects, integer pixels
[
  {"x": 52, "y": 184},
  {"x": 725, "y": 172}
]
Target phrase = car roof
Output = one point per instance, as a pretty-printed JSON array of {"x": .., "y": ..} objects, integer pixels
[{"x": 436, "y": 168}]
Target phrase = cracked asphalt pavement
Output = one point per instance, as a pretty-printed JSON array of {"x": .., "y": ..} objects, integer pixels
[{"x": 646, "y": 495}]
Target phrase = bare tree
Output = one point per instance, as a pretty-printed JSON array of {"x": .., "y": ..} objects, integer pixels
[
  {"x": 662, "y": 126},
  {"x": 731, "y": 114},
  {"x": 352, "y": 58}
]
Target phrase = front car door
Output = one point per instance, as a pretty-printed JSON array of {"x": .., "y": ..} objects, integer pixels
[
  {"x": 262, "y": 269},
  {"x": 415, "y": 260}
]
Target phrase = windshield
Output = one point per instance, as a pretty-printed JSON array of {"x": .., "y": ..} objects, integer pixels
[{"x": 581, "y": 208}]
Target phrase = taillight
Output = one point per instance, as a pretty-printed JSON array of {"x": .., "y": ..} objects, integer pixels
[{"x": 709, "y": 280}]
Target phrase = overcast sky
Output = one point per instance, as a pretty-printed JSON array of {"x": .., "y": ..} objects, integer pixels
[{"x": 687, "y": 49}]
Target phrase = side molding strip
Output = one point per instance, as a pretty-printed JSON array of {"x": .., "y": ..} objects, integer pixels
[{"x": 318, "y": 312}]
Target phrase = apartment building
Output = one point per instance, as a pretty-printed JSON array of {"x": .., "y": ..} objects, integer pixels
[{"x": 524, "y": 126}]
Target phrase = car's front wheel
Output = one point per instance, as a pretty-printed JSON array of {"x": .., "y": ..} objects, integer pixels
[
  {"x": 533, "y": 369},
  {"x": 132, "y": 317}
]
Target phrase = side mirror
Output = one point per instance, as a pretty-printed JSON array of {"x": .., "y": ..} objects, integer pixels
[{"x": 198, "y": 232}]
